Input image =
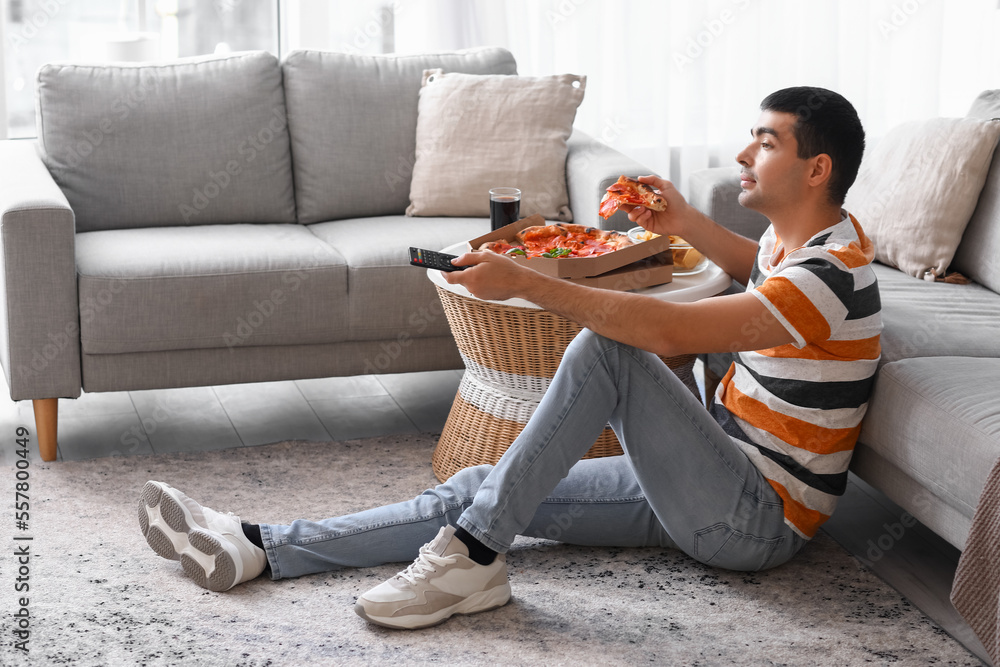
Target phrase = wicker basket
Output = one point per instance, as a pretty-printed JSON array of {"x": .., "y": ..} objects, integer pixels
[{"x": 511, "y": 354}]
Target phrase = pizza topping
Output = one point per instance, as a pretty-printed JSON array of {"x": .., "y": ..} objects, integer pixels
[{"x": 560, "y": 240}]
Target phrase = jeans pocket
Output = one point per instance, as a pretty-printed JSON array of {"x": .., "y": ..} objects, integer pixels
[{"x": 723, "y": 546}]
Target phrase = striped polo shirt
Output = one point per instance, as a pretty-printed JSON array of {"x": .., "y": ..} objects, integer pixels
[{"x": 796, "y": 409}]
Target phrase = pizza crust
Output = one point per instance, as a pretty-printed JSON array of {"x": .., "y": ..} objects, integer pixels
[{"x": 653, "y": 201}]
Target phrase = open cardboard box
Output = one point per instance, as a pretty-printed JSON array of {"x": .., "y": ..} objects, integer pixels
[
  {"x": 655, "y": 270},
  {"x": 640, "y": 265}
]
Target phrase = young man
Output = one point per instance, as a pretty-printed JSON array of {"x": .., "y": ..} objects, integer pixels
[{"x": 742, "y": 486}]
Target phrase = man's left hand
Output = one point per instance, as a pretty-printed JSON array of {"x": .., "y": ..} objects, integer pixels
[{"x": 491, "y": 276}]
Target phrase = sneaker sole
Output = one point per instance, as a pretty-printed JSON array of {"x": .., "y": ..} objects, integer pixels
[
  {"x": 171, "y": 532},
  {"x": 496, "y": 597}
]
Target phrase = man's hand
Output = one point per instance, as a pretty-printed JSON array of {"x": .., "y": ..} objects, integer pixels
[
  {"x": 734, "y": 253},
  {"x": 491, "y": 276},
  {"x": 672, "y": 221}
]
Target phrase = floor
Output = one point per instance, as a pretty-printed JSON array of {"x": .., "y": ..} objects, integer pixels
[
  {"x": 205, "y": 418},
  {"x": 913, "y": 560}
]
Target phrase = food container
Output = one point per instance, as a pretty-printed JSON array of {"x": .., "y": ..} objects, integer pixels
[
  {"x": 649, "y": 257},
  {"x": 687, "y": 259}
]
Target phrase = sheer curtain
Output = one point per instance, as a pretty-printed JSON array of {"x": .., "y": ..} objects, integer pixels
[{"x": 677, "y": 83}]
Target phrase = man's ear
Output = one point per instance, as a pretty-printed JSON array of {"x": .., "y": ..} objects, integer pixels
[{"x": 821, "y": 170}]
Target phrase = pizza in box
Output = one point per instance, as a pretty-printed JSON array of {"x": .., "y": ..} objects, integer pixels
[{"x": 560, "y": 240}]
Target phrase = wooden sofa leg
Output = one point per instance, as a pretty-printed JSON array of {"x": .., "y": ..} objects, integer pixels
[{"x": 46, "y": 420}]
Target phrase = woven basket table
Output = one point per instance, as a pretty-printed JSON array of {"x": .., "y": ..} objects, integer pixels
[{"x": 510, "y": 353}]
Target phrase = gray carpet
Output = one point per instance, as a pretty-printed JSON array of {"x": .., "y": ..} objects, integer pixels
[{"x": 100, "y": 596}]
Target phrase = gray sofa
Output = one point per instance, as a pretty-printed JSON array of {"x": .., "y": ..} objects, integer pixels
[
  {"x": 932, "y": 431},
  {"x": 228, "y": 220}
]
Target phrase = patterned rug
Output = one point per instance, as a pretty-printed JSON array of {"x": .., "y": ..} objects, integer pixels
[{"x": 99, "y": 596}]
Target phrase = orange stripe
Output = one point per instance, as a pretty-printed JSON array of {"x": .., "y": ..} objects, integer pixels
[
  {"x": 829, "y": 350},
  {"x": 806, "y": 520},
  {"x": 727, "y": 378},
  {"x": 852, "y": 256},
  {"x": 857, "y": 253},
  {"x": 867, "y": 247},
  {"x": 796, "y": 307},
  {"x": 796, "y": 432}
]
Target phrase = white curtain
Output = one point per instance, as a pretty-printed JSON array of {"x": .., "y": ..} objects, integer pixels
[
  {"x": 677, "y": 83},
  {"x": 3, "y": 74}
]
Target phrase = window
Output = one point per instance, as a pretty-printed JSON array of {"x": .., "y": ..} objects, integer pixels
[{"x": 44, "y": 31}]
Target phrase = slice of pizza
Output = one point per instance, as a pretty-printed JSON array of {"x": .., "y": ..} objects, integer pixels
[
  {"x": 503, "y": 248},
  {"x": 630, "y": 192},
  {"x": 599, "y": 240}
]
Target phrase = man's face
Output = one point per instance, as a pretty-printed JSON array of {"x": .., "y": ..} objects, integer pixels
[{"x": 773, "y": 176}]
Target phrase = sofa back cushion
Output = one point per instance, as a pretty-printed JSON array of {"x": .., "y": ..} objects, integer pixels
[
  {"x": 353, "y": 121},
  {"x": 194, "y": 141},
  {"x": 978, "y": 256}
]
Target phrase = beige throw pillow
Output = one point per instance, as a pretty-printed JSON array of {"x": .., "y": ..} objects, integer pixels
[
  {"x": 917, "y": 189},
  {"x": 476, "y": 132}
]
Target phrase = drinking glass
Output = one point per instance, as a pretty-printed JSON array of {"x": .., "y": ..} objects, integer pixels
[{"x": 505, "y": 207}]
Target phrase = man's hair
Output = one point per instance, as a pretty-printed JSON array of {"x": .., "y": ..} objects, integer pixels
[{"x": 826, "y": 123}]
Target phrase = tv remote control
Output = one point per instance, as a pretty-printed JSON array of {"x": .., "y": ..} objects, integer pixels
[{"x": 430, "y": 259}]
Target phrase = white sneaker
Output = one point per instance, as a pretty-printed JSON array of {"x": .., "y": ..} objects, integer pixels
[
  {"x": 441, "y": 582},
  {"x": 211, "y": 546}
]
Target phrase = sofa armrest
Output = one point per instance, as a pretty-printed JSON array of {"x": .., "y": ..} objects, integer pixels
[
  {"x": 39, "y": 309},
  {"x": 591, "y": 166},
  {"x": 715, "y": 192}
]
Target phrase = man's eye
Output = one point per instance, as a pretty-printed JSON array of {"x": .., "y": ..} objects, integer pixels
[{"x": 764, "y": 144}]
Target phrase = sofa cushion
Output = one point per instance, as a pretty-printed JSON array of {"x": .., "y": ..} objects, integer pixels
[
  {"x": 211, "y": 286},
  {"x": 978, "y": 256},
  {"x": 938, "y": 420},
  {"x": 986, "y": 105},
  {"x": 353, "y": 121},
  {"x": 477, "y": 132},
  {"x": 917, "y": 189},
  {"x": 925, "y": 319},
  {"x": 390, "y": 298},
  {"x": 197, "y": 141}
]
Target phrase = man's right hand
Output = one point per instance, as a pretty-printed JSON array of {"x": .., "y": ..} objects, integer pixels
[
  {"x": 671, "y": 221},
  {"x": 732, "y": 252}
]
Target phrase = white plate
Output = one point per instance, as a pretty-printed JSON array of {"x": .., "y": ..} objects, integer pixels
[
  {"x": 635, "y": 235},
  {"x": 697, "y": 268}
]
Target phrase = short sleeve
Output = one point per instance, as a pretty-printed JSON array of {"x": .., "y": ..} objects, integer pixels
[{"x": 808, "y": 298}]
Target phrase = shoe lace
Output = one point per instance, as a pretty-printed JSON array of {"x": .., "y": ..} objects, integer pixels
[{"x": 425, "y": 564}]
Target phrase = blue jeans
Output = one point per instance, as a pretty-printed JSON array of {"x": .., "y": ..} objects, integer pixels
[{"x": 682, "y": 482}]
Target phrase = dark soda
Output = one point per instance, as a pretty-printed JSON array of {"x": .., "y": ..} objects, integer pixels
[{"x": 503, "y": 211}]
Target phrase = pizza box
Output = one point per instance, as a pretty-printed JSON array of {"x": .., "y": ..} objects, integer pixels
[
  {"x": 577, "y": 268},
  {"x": 655, "y": 270}
]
